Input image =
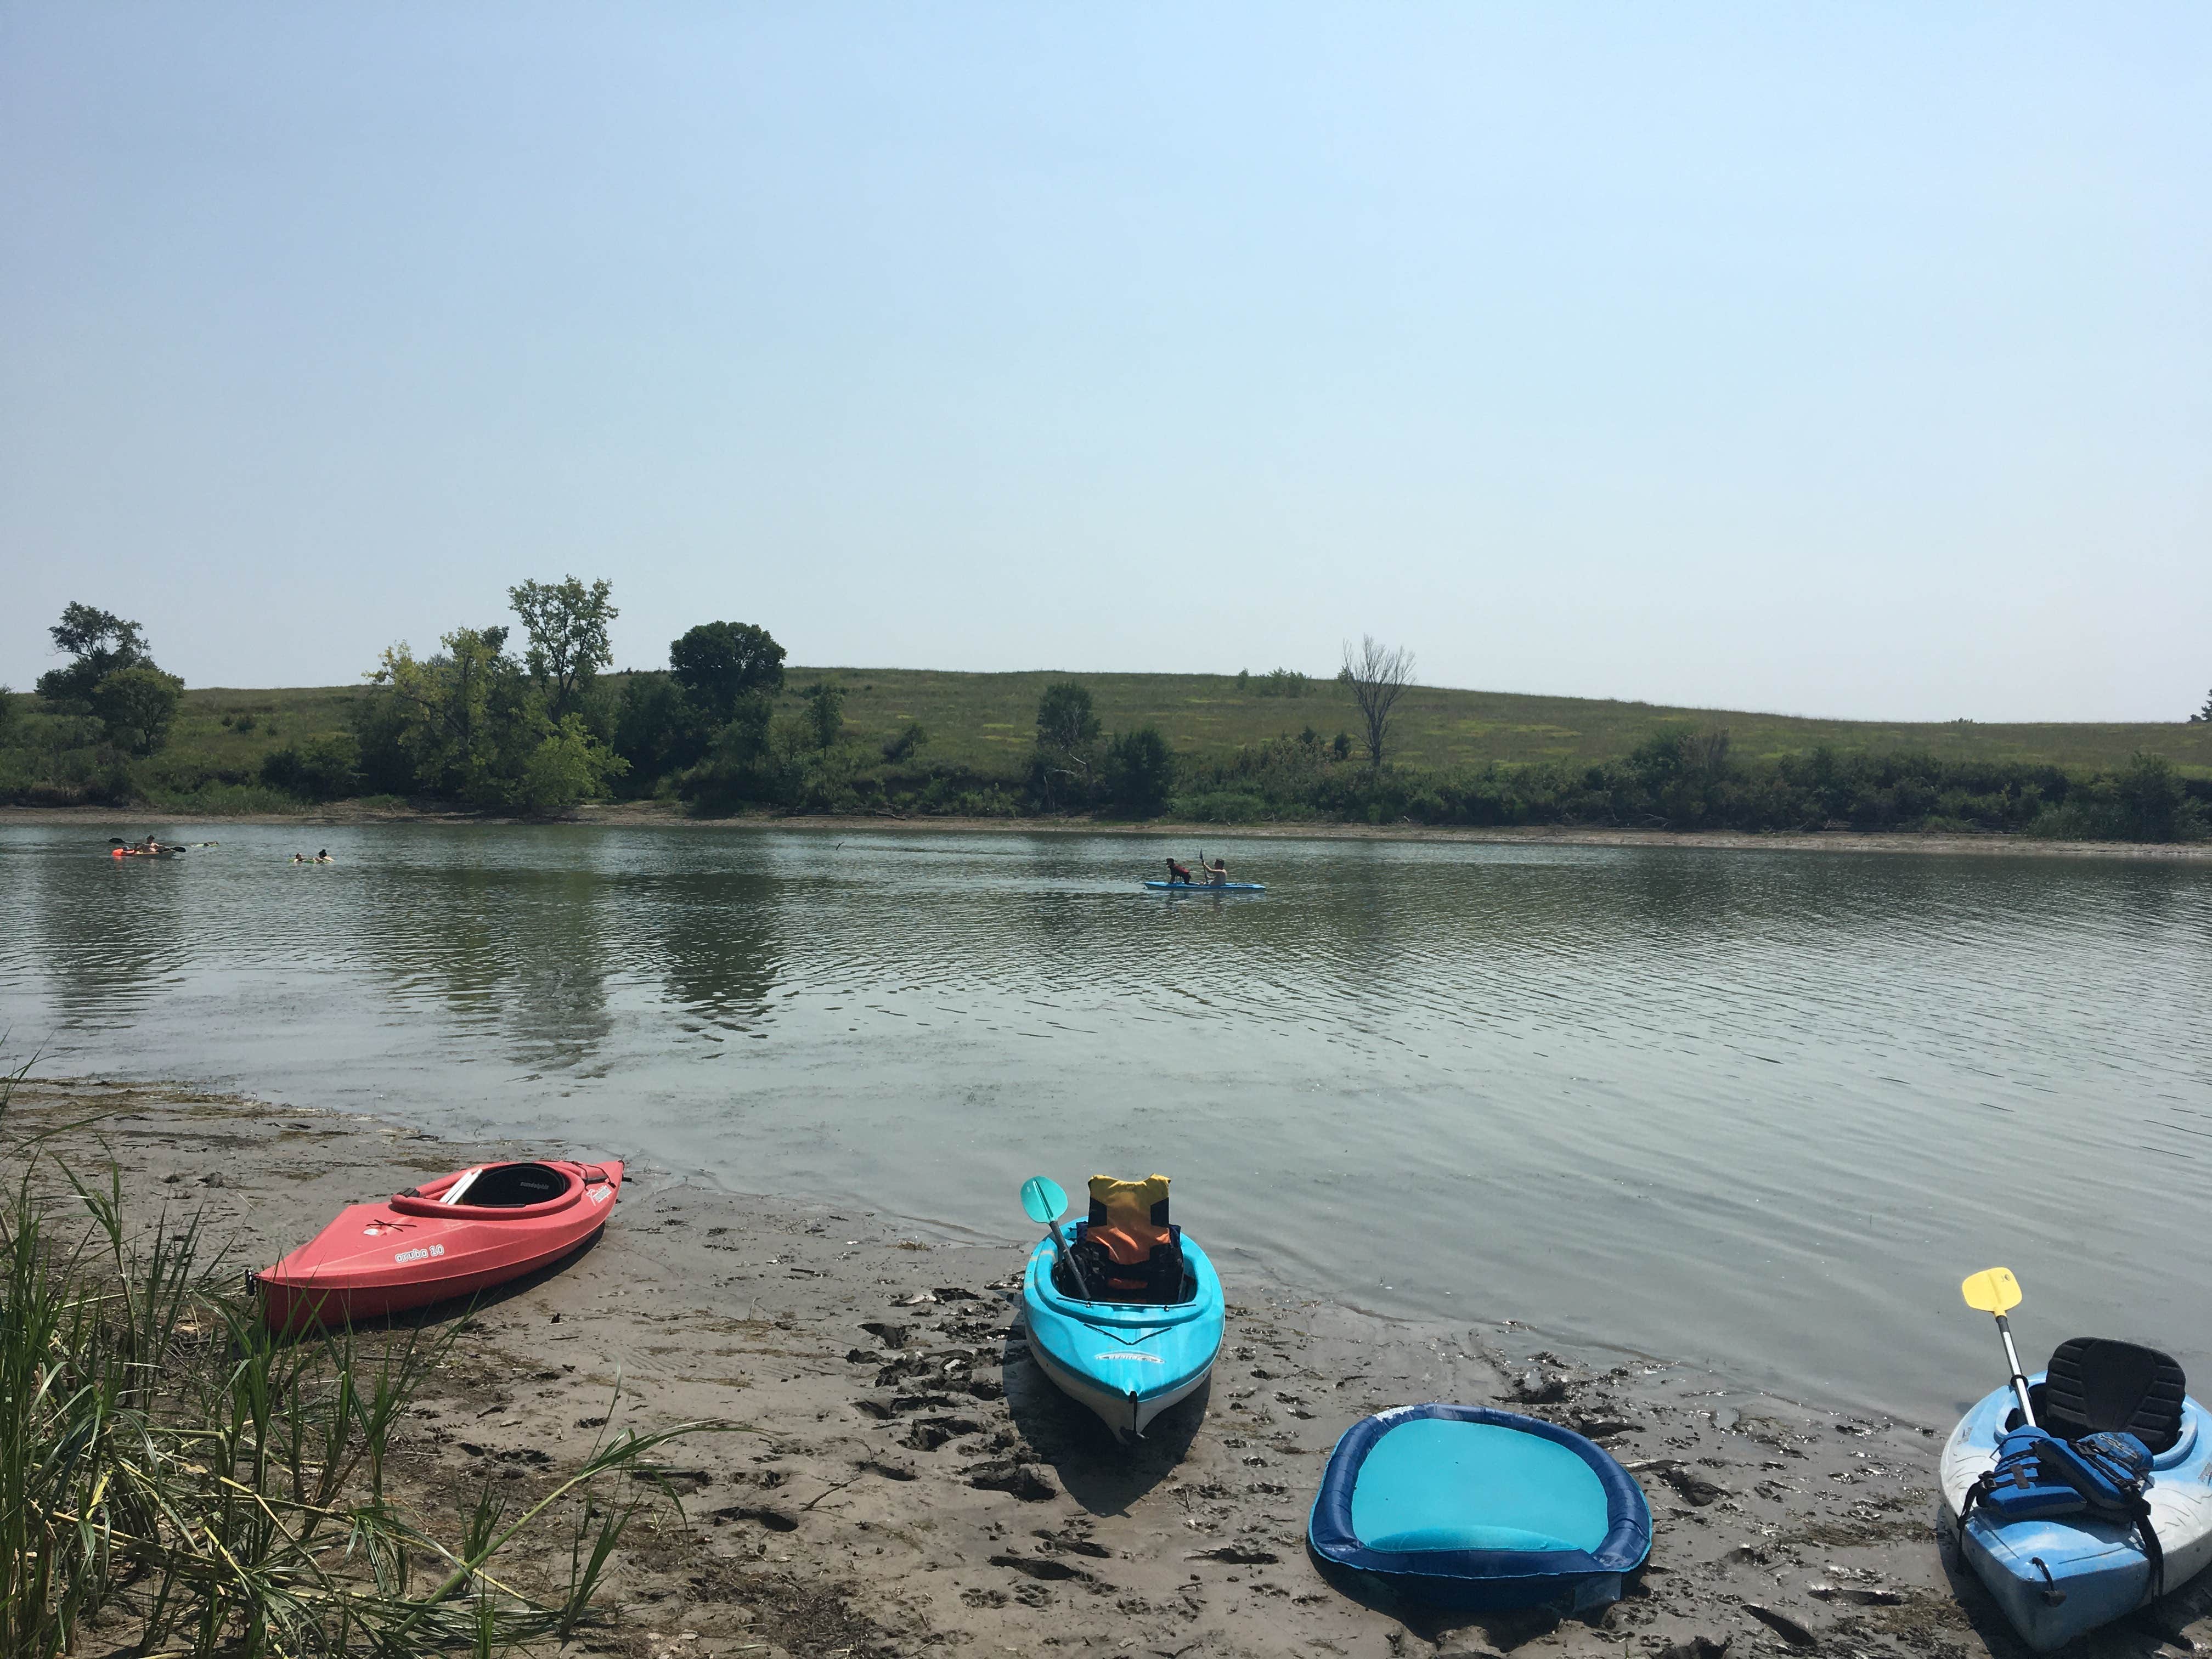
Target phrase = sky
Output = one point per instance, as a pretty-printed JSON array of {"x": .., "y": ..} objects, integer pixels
[{"x": 1852, "y": 360}]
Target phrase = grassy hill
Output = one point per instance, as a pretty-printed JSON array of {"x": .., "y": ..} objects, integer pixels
[
  {"x": 982, "y": 729},
  {"x": 987, "y": 721},
  {"x": 983, "y": 718}
]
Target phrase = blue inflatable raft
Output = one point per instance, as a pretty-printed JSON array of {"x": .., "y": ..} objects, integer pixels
[
  {"x": 2058, "y": 1577},
  {"x": 1207, "y": 886},
  {"x": 1462, "y": 1506}
]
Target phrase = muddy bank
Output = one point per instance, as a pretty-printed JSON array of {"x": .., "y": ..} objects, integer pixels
[
  {"x": 139, "y": 821},
  {"x": 904, "y": 1482}
]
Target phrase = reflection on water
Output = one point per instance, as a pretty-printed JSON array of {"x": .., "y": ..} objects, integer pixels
[
  {"x": 1762, "y": 1110},
  {"x": 717, "y": 935},
  {"x": 103, "y": 961}
]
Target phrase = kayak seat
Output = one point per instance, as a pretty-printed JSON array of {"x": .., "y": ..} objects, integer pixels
[
  {"x": 2096, "y": 1385},
  {"x": 1126, "y": 1249},
  {"x": 511, "y": 1186},
  {"x": 1164, "y": 1278}
]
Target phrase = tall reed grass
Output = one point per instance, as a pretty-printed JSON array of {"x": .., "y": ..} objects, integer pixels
[{"x": 178, "y": 1479}]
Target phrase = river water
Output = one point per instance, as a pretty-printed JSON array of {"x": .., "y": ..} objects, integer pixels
[{"x": 1760, "y": 1110}]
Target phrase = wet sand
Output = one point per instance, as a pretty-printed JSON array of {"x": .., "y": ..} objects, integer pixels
[{"x": 903, "y": 1482}]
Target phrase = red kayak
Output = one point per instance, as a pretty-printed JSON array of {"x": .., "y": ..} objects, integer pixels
[{"x": 458, "y": 1235}]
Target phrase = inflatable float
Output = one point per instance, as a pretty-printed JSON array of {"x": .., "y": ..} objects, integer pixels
[{"x": 1463, "y": 1506}]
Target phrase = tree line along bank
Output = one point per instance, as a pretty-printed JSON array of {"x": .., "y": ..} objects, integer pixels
[{"x": 527, "y": 719}]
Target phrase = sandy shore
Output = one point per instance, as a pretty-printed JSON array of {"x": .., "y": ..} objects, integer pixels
[
  {"x": 655, "y": 814},
  {"x": 905, "y": 1482}
]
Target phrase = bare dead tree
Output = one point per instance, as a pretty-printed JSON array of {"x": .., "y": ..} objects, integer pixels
[{"x": 1377, "y": 678}]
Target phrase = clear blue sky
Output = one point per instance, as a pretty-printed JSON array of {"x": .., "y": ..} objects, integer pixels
[{"x": 1847, "y": 360}]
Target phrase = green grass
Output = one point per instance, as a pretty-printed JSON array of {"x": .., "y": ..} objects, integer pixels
[
  {"x": 282, "y": 720},
  {"x": 987, "y": 721},
  {"x": 176, "y": 1478}
]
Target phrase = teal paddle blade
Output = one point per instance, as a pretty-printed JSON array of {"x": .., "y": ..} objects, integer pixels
[{"x": 1043, "y": 1200}]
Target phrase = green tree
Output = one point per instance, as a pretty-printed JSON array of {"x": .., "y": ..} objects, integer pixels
[
  {"x": 1140, "y": 772},
  {"x": 657, "y": 731},
  {"x": 2152, "y": 803},
  {"x": 462, "y": 713},
  {"x": 568, "y": 626},
  {"x": 568, "y": 765},
  {"x": 718, "y": 664},
  {"x": 1065, "y": 722},
  {"x": 740, "y": 764},
  {"x": 906, "y": 744},
  {"x": 102, "y": 643},
  {"x": 1060, "y": 774},
  {"x": 135, "y": 708},
  {"x": 11, "y": 718},
  {"x": 825, "y": 712},
  {"x": 381, "y": 724},
  {"x": 2204, "y": 713},
  {"x": 324, "y": 768}
]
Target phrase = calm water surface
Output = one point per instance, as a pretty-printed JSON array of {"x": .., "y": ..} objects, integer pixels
[{"x": 1759, "y": 1109}]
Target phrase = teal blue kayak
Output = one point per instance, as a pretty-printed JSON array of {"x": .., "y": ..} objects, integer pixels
[
  {"x": 1207, "y": 886},
  {"x": 1127, "y": 1361}
]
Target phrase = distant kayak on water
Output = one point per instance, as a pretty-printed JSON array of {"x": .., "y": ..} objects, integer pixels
[
  {"x": 1211, "y": 876},
  {"x": 150, "y": 848}
]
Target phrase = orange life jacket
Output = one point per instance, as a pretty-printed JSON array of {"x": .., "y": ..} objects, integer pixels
[{"x": 1142, "y": 1253}]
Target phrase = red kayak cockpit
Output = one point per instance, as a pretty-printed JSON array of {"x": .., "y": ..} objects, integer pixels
[{"x": 501, "y": 1192}]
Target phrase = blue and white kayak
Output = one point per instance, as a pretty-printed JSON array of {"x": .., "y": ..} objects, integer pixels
[
  {"x": 2059, "y": 1577},
  {"x": 1127, "y": 1361},
  {"x": 1207, "y": 886}
]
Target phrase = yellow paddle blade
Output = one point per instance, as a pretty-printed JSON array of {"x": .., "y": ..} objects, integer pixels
[{"x": 1993, "y": 1291}]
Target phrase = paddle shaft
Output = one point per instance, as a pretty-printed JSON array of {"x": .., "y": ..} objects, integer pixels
[
  {"x": 1060, "y": 1249},
  {"x": 2019, "y": 1381}
]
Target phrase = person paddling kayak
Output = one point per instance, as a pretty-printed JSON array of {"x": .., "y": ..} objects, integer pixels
[
  {"x": 1216, "y": 874},
  {"x": 1178, "y": 874}
]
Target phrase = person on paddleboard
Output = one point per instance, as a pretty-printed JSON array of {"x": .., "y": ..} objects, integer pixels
[{"x": 1178, "y": 873}]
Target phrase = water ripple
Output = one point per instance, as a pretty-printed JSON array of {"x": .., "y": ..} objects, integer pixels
[{"x": 1759, "y": 1109}]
